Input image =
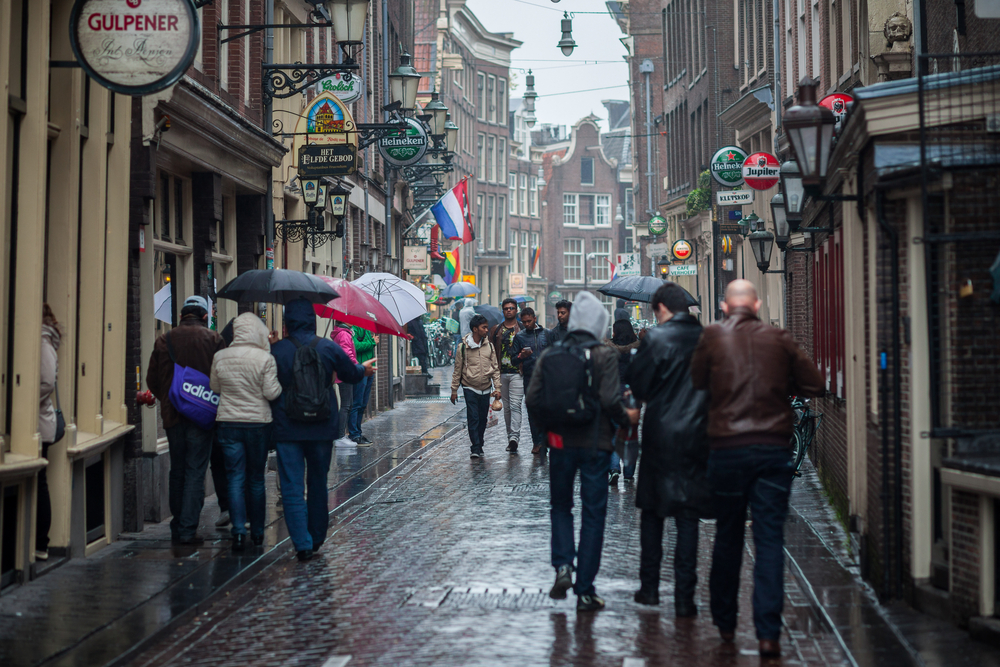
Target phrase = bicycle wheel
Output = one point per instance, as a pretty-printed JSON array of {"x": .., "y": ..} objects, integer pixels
[{"x": 798, "y": 451}]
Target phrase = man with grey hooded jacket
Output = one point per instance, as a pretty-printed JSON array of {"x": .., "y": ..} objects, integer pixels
[{"x": 585, "y": 448}]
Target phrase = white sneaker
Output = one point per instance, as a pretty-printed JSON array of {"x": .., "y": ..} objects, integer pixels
[
  {"x": 344, "y": 442},
  {"x": 41, "y": 555}
]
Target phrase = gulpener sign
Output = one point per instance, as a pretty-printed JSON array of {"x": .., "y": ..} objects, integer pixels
[
  {"x": 135, "y": 47},
  {"x": 318, "y": 160}
]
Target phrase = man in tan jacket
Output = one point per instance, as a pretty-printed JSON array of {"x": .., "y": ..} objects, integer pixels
[{"x": 478, "y": 373}]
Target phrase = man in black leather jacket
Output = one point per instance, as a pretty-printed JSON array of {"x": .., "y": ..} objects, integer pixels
[
  {"x": 527, "y": 347},
  {"x": 674, "y": 459}
]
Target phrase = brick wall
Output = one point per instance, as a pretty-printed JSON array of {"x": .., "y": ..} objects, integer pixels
[{"x": 965, "y": 556}]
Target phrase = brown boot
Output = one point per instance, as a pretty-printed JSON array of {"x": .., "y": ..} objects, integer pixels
[
  {"x": 770, "y": 648},
  {"x": 536, "y": 450}
]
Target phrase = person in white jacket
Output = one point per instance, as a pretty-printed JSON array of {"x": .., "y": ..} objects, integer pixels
[{"x": 245, "y": 376}]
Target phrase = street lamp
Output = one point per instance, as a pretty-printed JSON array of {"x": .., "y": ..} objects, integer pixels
[
  {"x": 529, "y": 100},
  {"x": 810, "y": 131},
  {"x": 793, "y": 193},
  {"x": 566, "y": 44},
  {"x": 748, "y": 224},
  {"x": 310, "y": 190},
  {"x": 541, "y": 178},
  {"x": 349, "y": 18},
  {"x": 781, "y": 231},
  {"x": 663, "y": 266},
  {"x": 338, "y": 206},
  {"x": 438, "y": 113},
  {"x": 403, "y": 84},
  {"x": 450, "y": 134},
  {"x": 762, "y": 243}
]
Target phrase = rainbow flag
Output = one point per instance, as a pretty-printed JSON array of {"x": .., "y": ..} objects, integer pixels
[
  {"x": 452, "y": 266},
  {"x": 536, "y": 253}
]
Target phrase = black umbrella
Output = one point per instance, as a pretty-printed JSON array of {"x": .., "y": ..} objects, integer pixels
[
  {"x": 276, "y": 286},
  {"x": 638, "y": 288},
  {"x": 492, "y": 314}
]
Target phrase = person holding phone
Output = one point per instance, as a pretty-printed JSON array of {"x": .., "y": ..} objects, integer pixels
[{"x": 528, "y": 345}]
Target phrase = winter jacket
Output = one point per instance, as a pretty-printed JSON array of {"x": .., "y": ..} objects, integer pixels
[
  {"x": 537, "y": 339},
  {"x": 476, "y": 366},
  {"x": 49, "y": 374},
  {"x": 672, "y": 475},
  {"x": 418, "y": 346},
  {"x": 300, "y": 319},
  {"x": 559, "y": 332},
  {"x": 364, "y": 344},
  {"x": 587, "y": 323},
  {"x": 624, "y": 356},
  {"x": 195, "y": 345},
  {"x": 494, "y": 337},
  {"x": 750, "y": 369},
  {"x": 344, "y": 337},
  {"x": 245, "y": 374}
]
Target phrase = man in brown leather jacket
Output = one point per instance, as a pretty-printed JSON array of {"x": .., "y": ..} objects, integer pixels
[{"x": 750, "y": 370}]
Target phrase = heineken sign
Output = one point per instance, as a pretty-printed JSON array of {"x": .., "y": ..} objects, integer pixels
[
  {"x": 657, "y": 225},
  {"x": 318, "y": 160},
  {"x": 402, "y": 150},
  {"x": 727, "y": 165}
]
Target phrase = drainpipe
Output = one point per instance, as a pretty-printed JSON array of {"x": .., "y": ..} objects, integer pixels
[
  {"x": 777, "y": 71},
  {"x": 268, "y": 119},
  {"x": 646, "y": 68}
]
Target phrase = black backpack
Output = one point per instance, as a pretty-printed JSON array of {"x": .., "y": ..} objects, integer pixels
[
  {"x": 569, "y": 396},
  {"x": 308, "y": 399}
]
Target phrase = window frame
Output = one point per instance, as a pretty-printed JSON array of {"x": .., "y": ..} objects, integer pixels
[
  {"x": 481, "y": 89},
  {"x": 601, "y": 270},
  {"x": 567, "y": 254},
  {"x": 533, "y": 198},
  {"x": 574, "y": 220},
  {"x": 590, "y": 161}
]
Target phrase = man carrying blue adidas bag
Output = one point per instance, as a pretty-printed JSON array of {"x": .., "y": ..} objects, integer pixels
[{"x": 178, "y": 377}]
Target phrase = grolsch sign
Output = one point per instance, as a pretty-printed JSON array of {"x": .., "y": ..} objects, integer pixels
[{"x": 135, "y": 47}]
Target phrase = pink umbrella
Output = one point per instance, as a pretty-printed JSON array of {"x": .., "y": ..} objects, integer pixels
[{"x": 358, "y": 307}]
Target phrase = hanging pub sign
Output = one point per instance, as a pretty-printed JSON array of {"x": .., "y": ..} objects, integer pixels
[
  {"x": 318, "y": 160},
  {"x": 346, "y": 90},
  {"x": 657, "y": 225},
  {"x": 760, "y": 171},
  {"x": 734, "y": 197},
  {"x": 727, "y": 165},
  {"x": 837, "y": 103},
  {"x": 402, "y": 150},
  {"x": 681, "y": 250},
  {"x": 134, "y": 47},
  {"x": 327, "y": 121}
]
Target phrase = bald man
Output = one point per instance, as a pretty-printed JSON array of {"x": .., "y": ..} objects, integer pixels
[{"x": 750, "y": 369}]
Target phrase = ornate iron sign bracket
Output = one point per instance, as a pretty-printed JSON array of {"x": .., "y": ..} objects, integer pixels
[
  {"x": 418, "y": 172},
  {"x": 295, "y": 231},
  {"x": 286, "y": 80}
]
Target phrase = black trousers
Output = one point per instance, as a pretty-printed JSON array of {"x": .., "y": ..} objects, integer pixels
[
  {"x": 220, "y": 479},
  {"x": 685, "y": 555},
  {"x": 477, "y": 411}
]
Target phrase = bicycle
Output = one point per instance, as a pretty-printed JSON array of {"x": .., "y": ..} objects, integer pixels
[{"x": 807, "y": 422}]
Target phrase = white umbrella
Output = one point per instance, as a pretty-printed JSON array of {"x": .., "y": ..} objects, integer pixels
[{"x": 402, "y": 299}]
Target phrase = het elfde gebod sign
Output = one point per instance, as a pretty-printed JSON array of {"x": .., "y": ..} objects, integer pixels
[
  {"x": 135, "y": 47},
  {"x": 318, "y": 160}
]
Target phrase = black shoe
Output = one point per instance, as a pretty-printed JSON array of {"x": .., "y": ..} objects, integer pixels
[
  {"x": 647, "y": 596},
  {"x": 512, "y": 446},
  {"x": 589, "y": 603},
  {"x": 258, "y": 540},
  {"x": 476, "y": 454},
  {"x": 685, "y": 609},
  {"x": 613, "y": 479},
  {"x": 239, "y": 542},
  {"x": 190, "y": 541},
  {"x": 306, "y": 554},
  {"x": 363, "y": 441},
  {"x": 564, "y": 582}
]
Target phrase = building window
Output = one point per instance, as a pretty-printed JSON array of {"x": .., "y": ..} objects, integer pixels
[
  {"x": 514, "y": 257},
  {"x": 491, "y": 157},
  {"x": 524, "y": 194},
  {"x": 524, "y": 252},
  {"x": 491, "y": 239},
  {"x": 535, "y": 266},
  {"x": 512, "y": 191},
  {"x": 481, "y": 86},
  {"x": 480, "y": 236},
  {"x": 501, "y": 221},
  {"x": 491, "y": 88},
  {"x": 586, "y": 171},
  {"x": 501, "y": 157},
  {"x": 828, "y": 313},
  {"x": 587, "y": 210},
  {"x": 609, "y": 305},
  {"x": 600, "y": 269},
  {"x": 573, "y": 260},
  {"x": 533, "y": 199},
  {"x": 502, "y": 101},
  {"x": 629, "y": 212},
  {"x": 603, "y": 210},
  {"x": 569, "y": 210},
  {"x": 482, "y": 158}
]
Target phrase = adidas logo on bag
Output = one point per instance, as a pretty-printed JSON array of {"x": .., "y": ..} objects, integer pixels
[{"x": 204, "y": 393}]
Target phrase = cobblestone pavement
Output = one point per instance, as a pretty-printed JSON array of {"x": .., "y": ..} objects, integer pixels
[{"x": 449, "y": 565}]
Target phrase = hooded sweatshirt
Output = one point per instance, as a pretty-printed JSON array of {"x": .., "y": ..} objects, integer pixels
[
  {"x": 50, "y": 372},
  {"x": 344, "y": 337},
  {"x": 245, "y": 374},
  {"x": 465, "y": 316},
  {"x": 300, "y": 319}
]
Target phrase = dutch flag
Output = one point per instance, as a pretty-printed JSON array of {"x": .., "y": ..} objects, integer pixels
[{"x": 452, "y": 215}]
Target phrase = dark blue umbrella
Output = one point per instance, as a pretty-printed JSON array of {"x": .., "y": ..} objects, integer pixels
[
  {"x": 492, "y": 314},
  {"x": 460, "y": 289}
]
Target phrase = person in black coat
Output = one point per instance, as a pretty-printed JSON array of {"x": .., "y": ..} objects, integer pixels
[
  {"x": 674, "y": 459},
  {"x": 418, "y": 346}
]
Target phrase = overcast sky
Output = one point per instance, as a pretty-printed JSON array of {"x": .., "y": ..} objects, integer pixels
[{"x": 596, "y": 63}]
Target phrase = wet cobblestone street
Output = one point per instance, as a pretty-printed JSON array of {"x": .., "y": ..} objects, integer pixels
[{"x": 448, "y": 564}]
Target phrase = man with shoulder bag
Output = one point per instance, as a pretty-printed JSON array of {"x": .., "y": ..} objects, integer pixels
[
  {"x": 178, "y": 376},
  {"x": 476, "y": 371},
  {"x": 575, "y": 395}
]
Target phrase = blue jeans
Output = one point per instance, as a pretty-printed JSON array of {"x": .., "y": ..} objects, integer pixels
[
  {"x": 307, "y": 521},
  {"x": 631, "y": 458},
  {"x": 477, "y": 411},
  {"x": 362, "y": 391},
  {"x": 244, "y": 446},
  {"x": 190, "y": 450},
  {"x": 593, "y": 467},
  {"x": 759, "y": 476}
]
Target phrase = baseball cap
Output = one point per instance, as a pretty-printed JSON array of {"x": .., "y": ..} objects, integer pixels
[{"x": 199, "y": 301}]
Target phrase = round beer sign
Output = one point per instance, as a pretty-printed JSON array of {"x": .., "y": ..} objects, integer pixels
[
  {"x": 760, "y": 171},
  {"x": 407, "y": 148},
  {"x": 134, "y": 47},
  {"x": 727, "y": 165},
  {"x": 681, "y": 250},
  {"x": 837, "y": 103},
  {"x": 657, "y": 225}
]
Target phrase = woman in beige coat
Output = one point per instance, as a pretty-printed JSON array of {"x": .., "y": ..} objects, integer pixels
[{"x": 245, "y": 376}]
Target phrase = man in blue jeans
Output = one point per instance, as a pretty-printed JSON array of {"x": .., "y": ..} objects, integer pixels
[
  {"x": 305, "y": 449},
  {"x": 585, "y": 448},
  {"x": 750, "y": 369}
]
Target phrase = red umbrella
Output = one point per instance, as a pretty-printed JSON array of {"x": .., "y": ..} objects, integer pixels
[{"x": 358, "y": 307}]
